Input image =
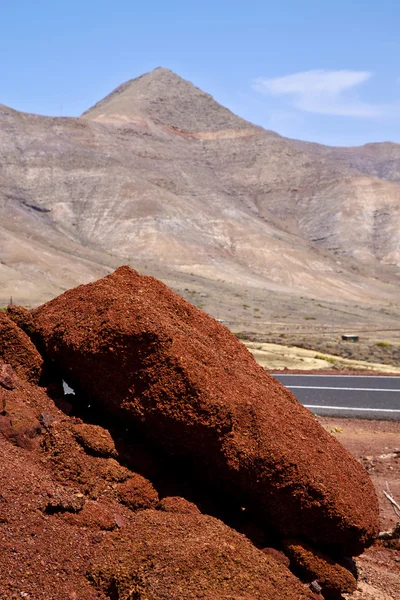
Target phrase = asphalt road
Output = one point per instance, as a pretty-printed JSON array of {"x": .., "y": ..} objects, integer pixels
[{"x": 373, "y": 397}]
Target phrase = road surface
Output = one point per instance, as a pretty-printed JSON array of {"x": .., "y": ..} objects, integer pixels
[{"x": 372, "y": 397}]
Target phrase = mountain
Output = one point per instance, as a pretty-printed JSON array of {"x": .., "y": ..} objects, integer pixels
[
  {"x": 164, "y": 98},
  {"x": 160, "y": 176}
]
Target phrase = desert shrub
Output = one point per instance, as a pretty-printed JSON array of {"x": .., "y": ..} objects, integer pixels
[
  {"x": 326, "y": 358},
  {"x": 240, "y": 335}
]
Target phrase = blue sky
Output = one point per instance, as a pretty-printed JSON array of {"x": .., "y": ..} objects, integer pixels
[{"x": 325, "y": 71}]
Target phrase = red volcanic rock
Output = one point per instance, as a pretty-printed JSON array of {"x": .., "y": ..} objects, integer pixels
[
  {"x": 61, "y": 500},
  {"x": 95, "y": 440},
  {"x": 93, "y": 515},
  {"x": 145, "y": 354},
  {"x": 8, "y": 380},
  {"x": 22, "y": 318},
  {"x": 312, "y": 565},
  {"x": 176, "y": 504},
  {"x": 171, "y": 556},
  {"x": 17, "y": 350},
  {"x": 18, "y": 422},
  {"x": 277, "y": 555},
  {"x": 59, "y": 505},
  {"x": 20, "y": 434},
  {"x": 137, "y": 493}
]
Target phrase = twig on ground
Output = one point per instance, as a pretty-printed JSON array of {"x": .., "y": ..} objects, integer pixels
[
  {"x": 395, "y": 532},
  {"x": 395, "y": 505}
]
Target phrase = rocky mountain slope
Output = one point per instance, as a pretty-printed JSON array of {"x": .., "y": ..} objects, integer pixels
[{"x": 160, "y": 176}]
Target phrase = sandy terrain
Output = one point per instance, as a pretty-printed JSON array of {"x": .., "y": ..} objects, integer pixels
[
  {"x": 277, "y": 357},
  {"x": 377, "y": 445}
]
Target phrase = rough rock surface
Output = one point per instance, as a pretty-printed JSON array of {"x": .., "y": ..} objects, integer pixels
[
  {"x": 8, "y": 380},
  {"x": 138, "y": 493},
  {"x": 42, "y": 556},
  {"x": 60, "y": 513},
  {"x": 278, "y": 555},
  {"x": 176, "y": 504},
  {"x": 185, "y": 557},
  {"x": 17, "y": 350},
  {"x": 311, "y": 565},
  {"x": 21, "y": 317},
  {"x": 95, "y": 440},
  {"x": 145, "y": 354}
]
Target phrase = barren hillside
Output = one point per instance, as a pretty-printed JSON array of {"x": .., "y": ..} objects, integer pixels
[{"x": 160, "y": 176}]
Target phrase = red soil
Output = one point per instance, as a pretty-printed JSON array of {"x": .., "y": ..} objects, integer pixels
[
  {"x": 95, "y": 513},
  {"x": 17, "y": 350},
  {"x": 171, "y": 555},
  {"x": 313, "y": 565},
  {"x": 138, "y": 493},
  {"x": 144, "y": 354},
  {"x": 66, "y": 533},
  {"x": 176, "y": 504}
]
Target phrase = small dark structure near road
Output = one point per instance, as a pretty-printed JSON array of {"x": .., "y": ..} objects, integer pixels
[{"x": 350, "y": 338}]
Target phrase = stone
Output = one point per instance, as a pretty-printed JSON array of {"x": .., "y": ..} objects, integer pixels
[
  {"x": 145, "y": 355},
  {"x": 277, "y": 555},
  {"x": 95, "y": 440},
  {"x": 176, "y": 504},
  {"x": 177, "y": 556},
  {"x": 137, "y": 493},
  {"x": 314, "y": 566},
  {"x": 8, "y": 380},
  {"x": 17, "y": 350},
  {"x": 62, "y": 499}
]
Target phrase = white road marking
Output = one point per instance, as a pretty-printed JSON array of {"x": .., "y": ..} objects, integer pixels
[
  {"x": 339, "y": 376},
  {"x": 385, "y": 410},
  {"x": 347, "y": 389}
]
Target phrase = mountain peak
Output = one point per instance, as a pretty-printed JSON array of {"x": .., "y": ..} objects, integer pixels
[{"x": 162, "y": 96}]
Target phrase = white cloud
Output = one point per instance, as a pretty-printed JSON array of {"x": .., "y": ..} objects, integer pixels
[
  {"x": 317, "y": 81},
  {"x": 324, "y": 92}
]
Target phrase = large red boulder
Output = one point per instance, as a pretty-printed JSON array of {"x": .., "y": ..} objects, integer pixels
[{"x": 136, "y": 348}]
